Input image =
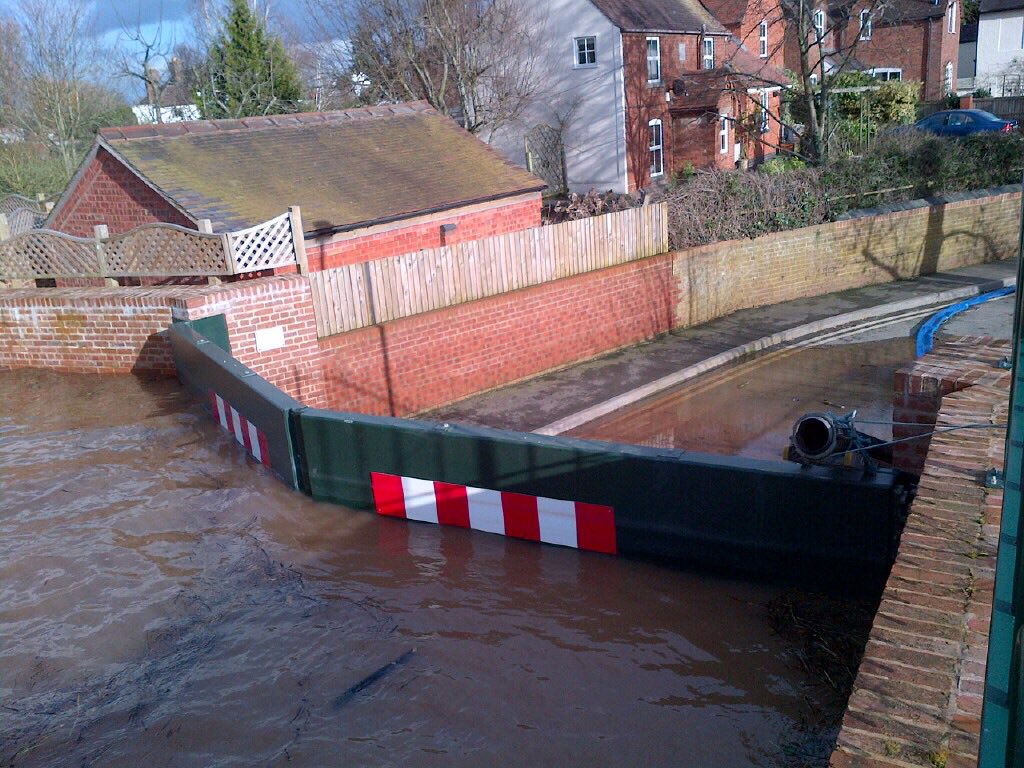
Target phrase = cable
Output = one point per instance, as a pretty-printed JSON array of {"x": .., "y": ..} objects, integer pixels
[{"x": 938, "y": 431}]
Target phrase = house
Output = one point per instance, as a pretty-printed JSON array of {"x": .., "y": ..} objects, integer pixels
[
  {"x": 887, "y": 39},
  {"x": 638, "y": 90},
  {"x": 370, "y": 182},
  {"x": 1000, "y": 57}
]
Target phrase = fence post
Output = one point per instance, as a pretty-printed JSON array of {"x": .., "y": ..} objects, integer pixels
[
  {"x": 5, "y": 228},
  {"x": 206, "y": 226},
  {"x": 100, "y": 233},
  {"x": 298, "y": 240}
]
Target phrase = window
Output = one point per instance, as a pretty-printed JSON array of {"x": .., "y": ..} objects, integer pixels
[
  {"x": 886, "y": 73},
  {"x": 653, "y": 60},
  {"x": 947, "y": 80},
  {"x": 951, "y": 17},
  {"x": 709, "y": 53},
  {"x": 865, "y": 25},
  {"x": 657, "y": 148},
  {"x": 819, "y": 24},
  {"x": 682, "y": 53},
  {"x": 723, "y": 134},
  {"x": 762, "y": 39},
  {"x": 814, "y": 79},
  {"x": 586, "y": 51},
  {"x": 763, "y": 112}
]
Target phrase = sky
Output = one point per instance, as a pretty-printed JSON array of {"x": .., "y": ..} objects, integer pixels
[{"x": 171, "y": 18}]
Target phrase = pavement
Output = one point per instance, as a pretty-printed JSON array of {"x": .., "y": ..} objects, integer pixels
[{"x": 561, "y": 400}]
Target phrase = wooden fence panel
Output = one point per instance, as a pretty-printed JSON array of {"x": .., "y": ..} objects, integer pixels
[{"x": 357, "y": 295}]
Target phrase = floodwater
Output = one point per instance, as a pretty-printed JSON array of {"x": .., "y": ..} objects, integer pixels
[
  {"x": 749, "y": 409},
  {"x": 165, "y": 602}
]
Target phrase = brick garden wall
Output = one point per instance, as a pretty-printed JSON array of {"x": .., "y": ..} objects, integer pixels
[
  {"x": 116, "y": 330},
  {"x": 379, "y": 242},
  {"x": 719, "y": 279},
  {"x": 918, "y": 693},
  {"x": 111, "y": 194}
]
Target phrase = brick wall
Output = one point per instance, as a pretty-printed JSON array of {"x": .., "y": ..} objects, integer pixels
[
  {"x": 108, "y": 193},
  {"x": 718, "y": 279},
  {"x": 918, "y": 390},
  {"x": 423, "y": 361},
  {"x": 408, "y": 235},
  {"x": 918, "y": 693},
  {"x": 116, "y": 330}
]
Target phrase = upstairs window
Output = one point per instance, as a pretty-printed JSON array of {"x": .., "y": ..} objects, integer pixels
[
  {"x": 708, "y": 61},
  {"x": 653, "y": 60},
  {"x": 819, "y": 25},
  {"x": 951, "y": 17},
  {"x": 762, "y": 39},
  {"x": 586, "y": 51},
  {"x": 865, "y": 25},
  {"x": 657, "y": 148}
]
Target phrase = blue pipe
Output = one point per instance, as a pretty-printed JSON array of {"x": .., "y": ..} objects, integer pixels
[{"x": 926, "y": 335}]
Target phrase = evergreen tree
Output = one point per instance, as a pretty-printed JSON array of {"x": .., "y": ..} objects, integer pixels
[{"x": 247, "y": 72}]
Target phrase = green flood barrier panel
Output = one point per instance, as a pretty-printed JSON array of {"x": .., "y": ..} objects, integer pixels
[
  {"x": 730, "y": 514},
  {"x": 208, "y": 370}
]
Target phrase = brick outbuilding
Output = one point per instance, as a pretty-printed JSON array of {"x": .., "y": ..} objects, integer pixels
[{"x": 371, "y": 182}]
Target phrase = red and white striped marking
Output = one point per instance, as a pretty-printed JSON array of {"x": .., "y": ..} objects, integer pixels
[
  {"x": 536, "y": 518},
  {"x": 244, "y": 431}
]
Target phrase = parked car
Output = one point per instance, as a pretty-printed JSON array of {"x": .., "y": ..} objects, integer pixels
[{"x": 961, "y": 122}]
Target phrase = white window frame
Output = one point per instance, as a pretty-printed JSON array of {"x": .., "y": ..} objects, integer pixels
[
  {"x": 888, "y": 72},
  {"x": 951, "y": 17},
  {"x": 707, "y": 59},
  {"x": 866, "y": 25},
  {"x": 813, "y": 78},
  {"x": 947, "y": 77},
  {"x": 576, "y": 51},
  {"x": 656, "y": 149},
  {"x": 818, "y": 20},
  {"x": 764, "y": 123},
  {"x": 762, "y": 38},
  {"x": 682, "y": 54},
  {"x": 723, "y": 134},
  {"x": 654, "y": 60}
]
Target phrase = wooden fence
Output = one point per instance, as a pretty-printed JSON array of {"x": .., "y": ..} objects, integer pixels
[
  {"x": 359, "y": 295},
  {"x": 155, "y": 250},
  {"x": 20, "y": 214}
]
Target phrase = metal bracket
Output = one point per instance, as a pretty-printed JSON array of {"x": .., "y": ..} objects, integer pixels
[{"x": 994, "y": 478}]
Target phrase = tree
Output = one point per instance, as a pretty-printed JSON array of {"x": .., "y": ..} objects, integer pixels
[
  {"x": 469, "y": 58},
  {"x": 145, "y": 58},
  {"x": 247, "y": 72}
]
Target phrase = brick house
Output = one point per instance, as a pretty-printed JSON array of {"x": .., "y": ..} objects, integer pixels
[
  {"x": 895, "y": 40},
  {"x": 638, "y": 90},
  {"x": 371, "y": 182}
]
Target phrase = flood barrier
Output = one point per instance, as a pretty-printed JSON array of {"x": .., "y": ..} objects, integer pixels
[{"x": 731, "y": 514}]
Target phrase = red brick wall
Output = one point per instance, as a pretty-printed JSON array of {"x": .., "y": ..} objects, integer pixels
[
  {"x": 918, "y": 390},
  {"x": 108, "y": 193},
  {"x": 917, "y": 697},
  {"x": 471, "y": 223},
  {"x": 115, "y": 330},
  {"x": 420, "y": 362}
]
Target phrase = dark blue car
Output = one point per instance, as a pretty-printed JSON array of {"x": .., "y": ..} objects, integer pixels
[{"x": 962, "y": 122}]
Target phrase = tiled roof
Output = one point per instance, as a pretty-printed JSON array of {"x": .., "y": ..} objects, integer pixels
[
  {"x": 897, "y": 12},
  {"x": 659, "y": 16},
  {"x": 346, "y": 169},
  {"x": 992, "y": 6},
  {"x": 755, "y": 70},
  {"x": 729, "y": 12}
]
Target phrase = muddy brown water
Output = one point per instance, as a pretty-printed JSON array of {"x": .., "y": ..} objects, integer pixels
[
  {"x": 165, "y": 602},
  {"x": 749, "y": 409}
]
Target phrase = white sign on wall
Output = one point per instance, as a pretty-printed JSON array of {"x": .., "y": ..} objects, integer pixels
[{"x": 269, "y": 338}]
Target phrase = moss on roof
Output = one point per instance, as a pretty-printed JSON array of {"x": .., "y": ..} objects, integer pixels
[{"x": 361, "y": 168}]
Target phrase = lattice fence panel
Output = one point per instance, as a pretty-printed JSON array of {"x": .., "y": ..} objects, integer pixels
[
  {"x": 165, "y": 250},
  {"x": 24, "y": 220},
  {"x": 43, "y": 253},
  {"x": 265, "y": 246},
  {"x": 11, "y": 203}
]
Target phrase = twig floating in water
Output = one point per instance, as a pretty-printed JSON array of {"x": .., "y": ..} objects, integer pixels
[{"x": 372, "y": 678}]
